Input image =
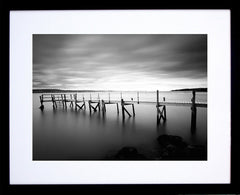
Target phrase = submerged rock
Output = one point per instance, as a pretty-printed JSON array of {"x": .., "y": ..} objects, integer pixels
[
  {"x": 165, "y": 140},
  {"x": 174, "y": 148}
]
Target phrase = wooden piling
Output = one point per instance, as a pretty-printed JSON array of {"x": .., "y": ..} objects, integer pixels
[
  {"x": 89, "y": 104},
  {"x": 84, "y": 103},
  {"x": 62, "y": 98},
  {"x": 165, "y": 113},
  {"x": 161, "y": 113},
  {"x": 75, "y": 100},
  {"x": 123, "y": 104},
  {"x": 53, "y": 101},
  {"x": 92, "y": 107},
  {"x": 41, "y": 102},
  {"x": 194, "y": 112},
  {"x": 133, "y": 109},
  {"x": 65, "y": 101},
  {"x": 138, "y": 97},
  {"x": 98, "y": 105},
  {"x": 103, "y": 106}
]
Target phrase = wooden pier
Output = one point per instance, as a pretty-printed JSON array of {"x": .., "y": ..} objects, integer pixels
[
  {"x": 78, "y": 102},
  {"x": 57, "y": 98},
  {"x": 124, "y": 104},
  {"x": 161, "y": 110},
  {"x": 94, "y": 105}
]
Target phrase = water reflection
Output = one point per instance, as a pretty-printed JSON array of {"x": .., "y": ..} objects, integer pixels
[
  {"x": 128, "y": 124},
  {"x": 78, "y": 135}
]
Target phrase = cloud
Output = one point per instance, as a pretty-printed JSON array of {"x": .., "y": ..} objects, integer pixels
[{"x": 62, "y": 60}]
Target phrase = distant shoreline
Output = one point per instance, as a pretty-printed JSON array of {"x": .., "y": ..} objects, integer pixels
[
  {"x": 83, "y": 91},
  {"x": 192, "y": 89}
]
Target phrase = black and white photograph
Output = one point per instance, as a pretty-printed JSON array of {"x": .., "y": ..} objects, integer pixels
[{"x": 118, "y": 97}]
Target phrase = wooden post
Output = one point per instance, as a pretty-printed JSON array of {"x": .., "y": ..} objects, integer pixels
[
  {"x": 71, "y": 103},
  {"x": 41, "y": 101},
  {"x": 99, "y": 105},
  {"x": 122, "y": 104},
  {"x": 108, "y": 97},
  {"x": 133, "y": 109},
  {"x": 161, "y": 114},
  {"x": 164, "y": 109},
  {"x": 158, "y": 110},
  {"x": 62, "y": 99},
  {"x": 103, "y": 106},
  {"x": 89, "y": 103},
  {"x": 193, "y": 98},
  {"x": 194, "y": 112},
  {"x": 164, "y": 113},
  {"x": 84, "y": 104},
  {"x": 53, "y": 101},
  {"x": 138, "y": 97},
  {"x": 65, "y": 100},
  {"x": 75, "y": 99},
  {"x": 124, "y": 109},
  {"x": 157, "y": 98}
]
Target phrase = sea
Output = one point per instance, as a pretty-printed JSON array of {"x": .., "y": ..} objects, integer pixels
[{"x": 70, "y": 134}]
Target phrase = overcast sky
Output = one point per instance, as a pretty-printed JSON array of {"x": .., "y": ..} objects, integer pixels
[{"x": 119, "y": 62}]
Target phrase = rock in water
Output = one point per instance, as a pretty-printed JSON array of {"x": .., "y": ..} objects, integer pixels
[
  {"x": 174, "y": 148},
  {"x": 177, "y": 141}
]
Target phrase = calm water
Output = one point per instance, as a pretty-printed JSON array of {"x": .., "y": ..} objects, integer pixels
[{"x": 66, "y": 134}]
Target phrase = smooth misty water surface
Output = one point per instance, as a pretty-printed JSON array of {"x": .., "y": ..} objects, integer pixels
[{"x": 66, "y": 134}]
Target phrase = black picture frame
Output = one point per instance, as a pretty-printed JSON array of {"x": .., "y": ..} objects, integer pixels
[{"x": 232, "y": 188}]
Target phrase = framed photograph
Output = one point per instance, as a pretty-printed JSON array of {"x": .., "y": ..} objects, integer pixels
[{"x": 120, "y": 97}]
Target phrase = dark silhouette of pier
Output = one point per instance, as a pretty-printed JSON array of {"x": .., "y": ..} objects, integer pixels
[{"x": 63, "y": 99}]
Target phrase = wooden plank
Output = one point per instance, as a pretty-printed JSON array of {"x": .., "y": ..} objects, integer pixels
[
  {"x": 126, "y": 104},
  {"x": 47, "y": 101},
  {"x": 81, "y": 107},
  {"x": 127, "y": 111},
  {"x": 133, "y": 109},
  {"x": 110, "y": 102}
]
